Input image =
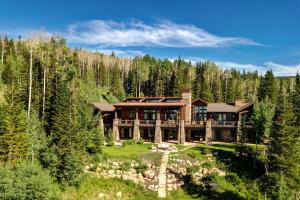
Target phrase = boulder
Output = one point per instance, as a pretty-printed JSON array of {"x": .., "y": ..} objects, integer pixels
[
  {"x": 119, "y": 194},
  {"x": 101, "y": 195},
  {"x": 149, "y": 174}
]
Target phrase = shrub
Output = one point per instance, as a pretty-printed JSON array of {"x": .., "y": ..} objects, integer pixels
[
  {"x": 233, "y": 178},
  {"x": 141, "y": 168},
  {"x": 192, "y": 169},
  {"x": 97, "y": 158},
  {"x": 128, "y": 142},
  {"x": 26, "y": 181},
  {"x": 141, "y": 141},
  {"x": 206, "y": 151},
  {"x": 192, "y": 155},
  {"x": 110, "y": 138},
  {"x": 209, "y": 165},
  {"x": 125, "y": 166}
]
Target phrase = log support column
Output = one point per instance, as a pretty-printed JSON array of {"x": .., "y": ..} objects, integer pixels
[
  {"x": 208, "y": 132},
  {"x": 181, "y": 132},
  {"x": 116, "y": 130}
]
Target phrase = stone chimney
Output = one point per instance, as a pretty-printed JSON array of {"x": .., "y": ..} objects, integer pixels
[
  {"x": 187, "y": 98},
  {"x": 238, "y": 101}
]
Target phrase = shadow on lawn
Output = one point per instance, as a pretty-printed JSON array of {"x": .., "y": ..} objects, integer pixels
[
  {"x": 208, "y": 190},
  {"x": 246, "y": 166}
]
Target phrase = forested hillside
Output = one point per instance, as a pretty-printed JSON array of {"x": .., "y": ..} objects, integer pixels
[{"x": 47, "y": 121}]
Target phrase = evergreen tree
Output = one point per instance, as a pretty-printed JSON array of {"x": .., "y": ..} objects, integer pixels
[
  {"x": 267, "y": 87},
  {"x": 283, "y": 157},
  {"x": 296, "y": 99},
  {"x": 116, "y": 84},
  {"x": 13, "y": 137}
]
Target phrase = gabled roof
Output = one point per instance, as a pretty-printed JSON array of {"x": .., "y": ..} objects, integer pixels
[
  {"x": 220, "y": 107},
  {"x": 245, "y": 106},
  {"x": 106, "y": 107},
  {"x": 223, "y": 107},
  {"x": 150, "y": 104},
  {"x": 199, "y": 99}
]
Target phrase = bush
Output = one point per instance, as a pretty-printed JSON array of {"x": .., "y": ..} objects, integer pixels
[
  {"x": 141, "y": 168},
  {"x": 125, "y": 166},
  {"x": 192, "y": 169},
  {"x": 141, "y": 141},
  {"x": 97, "y": 158},
  {"x": 94, "y": 144},
  {"x": 233, "y": 178},
  {"x": 128, "y": 142},
  {"x": 110, "y": 138},
  {"x": 192, "y": 155},
  {"x": 206, "y": 151},
  {"x": 26, "y": 181}
]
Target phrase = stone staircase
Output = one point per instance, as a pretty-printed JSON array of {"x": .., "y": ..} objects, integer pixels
[{"x": 162, "y": 176}]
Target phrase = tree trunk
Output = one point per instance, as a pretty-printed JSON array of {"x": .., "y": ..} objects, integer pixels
[
  {"x": 2, "y": 52},
  {"x": 44, "y": 89},
  {"x": 30, "y": 84}
]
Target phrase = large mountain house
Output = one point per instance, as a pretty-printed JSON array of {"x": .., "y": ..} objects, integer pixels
[{"x": 177, "y": 119}]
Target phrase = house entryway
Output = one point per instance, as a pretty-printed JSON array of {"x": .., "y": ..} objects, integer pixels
[{"x": 170, "y": 135}]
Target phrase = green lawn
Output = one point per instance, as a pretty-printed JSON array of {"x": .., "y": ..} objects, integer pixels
[
  {"x": 127, "y": 152},
  {"x": 91, "y": 187}
]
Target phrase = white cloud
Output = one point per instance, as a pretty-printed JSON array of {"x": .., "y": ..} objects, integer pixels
[
  {"x": 121, "y": 53},
  {"x": 283, "y": 70},
  {"x": 137, "y": 33},
  {"x": 278, "y": 69}
]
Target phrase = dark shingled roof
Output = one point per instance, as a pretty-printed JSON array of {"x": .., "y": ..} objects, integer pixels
[
  {"x": 220, "y": 107},
  {"x": 106, "y": 107},
  {"x": 150, "y": 104}
]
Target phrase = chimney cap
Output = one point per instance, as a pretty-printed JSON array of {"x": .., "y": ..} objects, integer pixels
[
  {"x": 186, "y": 90},
  {"x": 237, "y": 98}
]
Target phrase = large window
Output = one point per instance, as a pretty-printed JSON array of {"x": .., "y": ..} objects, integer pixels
[
  {"x": 220, "y": 117},
  {"x": 200, "y": 113},
  {"x": 149, "y": 114},
  {"x": 131, "y": 113},
  {"x": 171, "y": 114}
]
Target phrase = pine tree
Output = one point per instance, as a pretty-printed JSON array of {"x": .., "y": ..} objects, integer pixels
[
  {"x": 117, "y": 85},
  {"x": 267, "y": 87},
  {"x": 296, "y": 99},
  {"x": 13, "y": 138},
  {"x": 283, "y": 157}
]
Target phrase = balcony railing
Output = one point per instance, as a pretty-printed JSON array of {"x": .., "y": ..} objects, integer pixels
[
  {"x": 194, "y": 122},
  {"x": 147, "y": 121},
  {"x": 126, "y": 122},
  {"x": 224, "y": 123},
  {"x": 169, "y": 123}
]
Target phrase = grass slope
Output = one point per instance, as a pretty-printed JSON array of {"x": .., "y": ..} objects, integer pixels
[{"x": 91, "y": 187}]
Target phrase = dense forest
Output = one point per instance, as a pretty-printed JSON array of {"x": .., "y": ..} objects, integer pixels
[{"x": 48, "y": 130}]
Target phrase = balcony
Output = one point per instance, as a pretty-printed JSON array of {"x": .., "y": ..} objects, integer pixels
[
  {"x": 169, "y": 124},
  {"x": 126, "y": 122},
  {"x": 147, "y": 123},
  {"x": 194, "y": 124},
  {"x": 224, "y": 124}
]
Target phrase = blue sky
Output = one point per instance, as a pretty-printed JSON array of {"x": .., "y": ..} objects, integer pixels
[{"x": 248, "y": 34}]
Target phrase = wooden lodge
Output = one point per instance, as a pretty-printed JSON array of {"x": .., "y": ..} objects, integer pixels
[{"x": 176, "y": 119}]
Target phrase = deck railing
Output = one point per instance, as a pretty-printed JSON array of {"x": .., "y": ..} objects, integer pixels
[
  {"x": 147, "y": 122},
  {"x": 224, "y": 123},
  {"x": 194, "y": 123},
  {"x": 126, "y": 122}
]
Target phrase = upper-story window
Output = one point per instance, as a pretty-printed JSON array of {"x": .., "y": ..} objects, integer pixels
[
  {"x": 199, "y": 113},
  {"x": 171, "y": 114},
  {"x": 149, "y": 114},
  {"x": 152, "y": 100},
  {"x": 172, "y": 100},
  {"x": 131, "y": 113},
  {"x": 220, "y": 117}
]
